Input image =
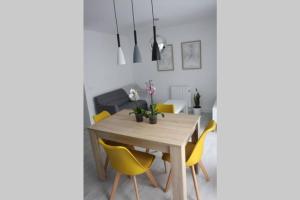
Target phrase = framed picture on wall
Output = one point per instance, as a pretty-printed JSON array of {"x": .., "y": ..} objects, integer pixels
[
  {"x": 191, "y": 54},
  {"x": 166, "y": 62}
]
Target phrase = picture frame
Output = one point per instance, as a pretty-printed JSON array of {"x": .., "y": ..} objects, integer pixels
[
  {"x": 191, "y": 55},
  {"x": 166, "y": 63}
]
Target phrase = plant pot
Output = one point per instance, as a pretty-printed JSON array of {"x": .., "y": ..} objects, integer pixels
[
  {"x": 153, "y": 119},
  {"x": 139, "y": 117},
  {"x": 197, "y": 111}
]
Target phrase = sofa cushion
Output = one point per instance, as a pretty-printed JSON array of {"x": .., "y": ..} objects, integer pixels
[{"x": 116, "y": 97}]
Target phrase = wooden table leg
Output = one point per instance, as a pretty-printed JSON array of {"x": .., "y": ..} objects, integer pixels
[
  {"x": 97, "y": 157},
  {"x": 195, "y": 137},
  {"x": 178, "y": 172}
]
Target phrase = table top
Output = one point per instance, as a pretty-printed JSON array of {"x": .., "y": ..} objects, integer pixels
[{"x": 173, "y": 129}]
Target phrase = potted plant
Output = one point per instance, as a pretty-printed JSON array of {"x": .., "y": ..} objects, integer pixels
[
  {"x": 139, "y": 112},
  {"x": 197, "y": 107},
  {"x": 152, "y": 113}
]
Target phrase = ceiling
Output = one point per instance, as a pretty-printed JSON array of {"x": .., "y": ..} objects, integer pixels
[{"x": 99, "y": 14}]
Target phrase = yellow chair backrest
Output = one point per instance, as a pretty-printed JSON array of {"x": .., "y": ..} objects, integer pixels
[
  {"x": 165, "y": 108},
  {"x": 197, "y": 152},
  {"x": 101, "y": 116},
  {"x": 122, "y": 160}
]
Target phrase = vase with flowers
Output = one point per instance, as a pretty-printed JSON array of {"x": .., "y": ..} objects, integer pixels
[
  {"x": 137, "y": 111},
  {"x": 152, "y": 113}
]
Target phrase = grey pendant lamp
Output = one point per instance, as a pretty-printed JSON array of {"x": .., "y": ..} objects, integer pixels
[
  {"x": 155, "y": 49},
  {"x": 121, "y": 58},
  {"x": 137, "y": 58}
]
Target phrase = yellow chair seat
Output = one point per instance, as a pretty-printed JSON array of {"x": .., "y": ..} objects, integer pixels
[
  {"x": 188, "y": 151},
  {"x": 165, "y": 108},
  {"x": 144, "y": 159},
  {"x": 128, "y": 161}
]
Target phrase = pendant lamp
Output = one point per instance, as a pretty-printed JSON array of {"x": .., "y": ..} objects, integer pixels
[
  {"x": 161, "y": 41},
  {"x": 155, "y": 49},
  {"x": 121, "y": 58},
  {"x": 137, "y": 58}
]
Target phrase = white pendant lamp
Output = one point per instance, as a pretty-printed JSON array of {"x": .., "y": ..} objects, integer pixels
[
  {"x": 137, "y": 58},
  {"x": 121, "y": 58}
]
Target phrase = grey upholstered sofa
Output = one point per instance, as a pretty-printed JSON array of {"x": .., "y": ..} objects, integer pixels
[{"x": 115, "y": 101}]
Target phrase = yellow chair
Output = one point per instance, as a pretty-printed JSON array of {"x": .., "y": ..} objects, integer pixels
[
  {"x": 130, "y": 163},
  {"x": 165, "y": 108},
  {"x": 99, "y": 117},
  {"x": 193, "y": 154}
]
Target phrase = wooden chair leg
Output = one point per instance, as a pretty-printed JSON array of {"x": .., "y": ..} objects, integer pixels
[
  {"x": 136, "y": 188},
  {"x": 195, "y": 182},
  {"x": 168, "y": 181},
  {"x": 115, "y": 185},
  {"x": 151, "y": 178},
  {"x": 201, "y": 165},
  {"x": 105, "y": 165},
  {"x": 165, "y": 164}
]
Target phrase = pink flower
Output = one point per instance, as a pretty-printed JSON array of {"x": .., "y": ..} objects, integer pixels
[{"x": 150, "y": 89}]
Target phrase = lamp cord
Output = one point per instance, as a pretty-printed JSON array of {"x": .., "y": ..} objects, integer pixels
[
  {"x": 132, "y": 14},
  {"x": 152, "y": 12},
  {"x": 116, "y": 17}
]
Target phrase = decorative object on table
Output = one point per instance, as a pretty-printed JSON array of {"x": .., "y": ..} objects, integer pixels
[
  {"x": 153, "y": 112},
  {"x": 166, "y": 62},
  {"x": 121, "y": 58},
  {"x": 191, "y": 54},
  {"x": 155, "y": 49},
  {"x": 161, "y": 41},
  {"x": 139, "y": 112},
  {"x": 197, "y": 107},
  {"x": 136, "y": 51}
]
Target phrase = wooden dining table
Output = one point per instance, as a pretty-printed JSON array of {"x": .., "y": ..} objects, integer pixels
[{"x": 169, "y": 135}]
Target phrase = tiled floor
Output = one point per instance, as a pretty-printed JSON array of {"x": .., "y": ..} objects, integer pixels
[{"x": 96, "y": 190}]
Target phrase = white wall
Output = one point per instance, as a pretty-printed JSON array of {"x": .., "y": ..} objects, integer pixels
[
  {"x": 101, "y": 72},
  {"x": 205, "y": 79}
]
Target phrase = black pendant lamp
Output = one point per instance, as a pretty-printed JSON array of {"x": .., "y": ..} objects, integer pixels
[
  {"x": 155, "y": 49},
  {"x": 136, "y": 51},
  {"x": 121, "y": 58}
]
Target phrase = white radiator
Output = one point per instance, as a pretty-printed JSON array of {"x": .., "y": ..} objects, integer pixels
[{"x": 182, "y": 93}]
